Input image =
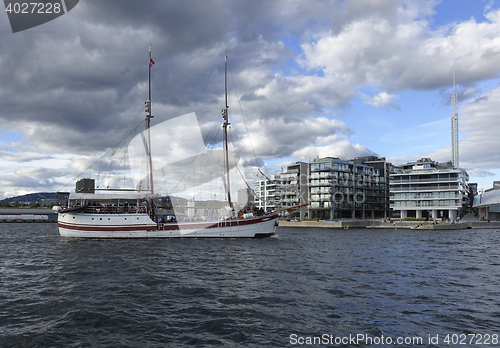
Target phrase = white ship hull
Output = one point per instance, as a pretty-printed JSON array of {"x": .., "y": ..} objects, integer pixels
[{"x": 140, "y": 226}]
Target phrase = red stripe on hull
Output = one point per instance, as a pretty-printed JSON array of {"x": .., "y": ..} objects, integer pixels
[{"x": 221, "y": 224}]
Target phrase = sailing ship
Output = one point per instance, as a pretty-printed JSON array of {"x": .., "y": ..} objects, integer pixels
[{"x": 133, "y": 213}]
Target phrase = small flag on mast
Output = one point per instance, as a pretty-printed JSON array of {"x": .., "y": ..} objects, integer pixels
[{"x": 151, "y": 62}]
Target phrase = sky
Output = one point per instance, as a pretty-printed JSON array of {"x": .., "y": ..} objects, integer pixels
[{"x": 314, "y": 78}]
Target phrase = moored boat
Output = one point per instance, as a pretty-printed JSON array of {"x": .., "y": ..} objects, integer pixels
[{"x": 132, "y": 213}]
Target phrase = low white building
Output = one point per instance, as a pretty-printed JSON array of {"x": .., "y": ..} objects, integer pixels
[
  {"x": 488, "y": 204},
  {"x": 428, "y": 189}
]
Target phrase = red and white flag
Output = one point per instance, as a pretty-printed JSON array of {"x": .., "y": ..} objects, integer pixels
[{"x": 151, "y": 62}]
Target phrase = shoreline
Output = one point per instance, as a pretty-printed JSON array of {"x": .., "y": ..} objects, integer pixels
[{"x": 374, "y": 224}]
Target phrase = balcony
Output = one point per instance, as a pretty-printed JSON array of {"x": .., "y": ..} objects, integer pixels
[
  {"x": 421, "y": 198},
  {"x": 345, "y": 205},
  {"x": 422, "y": 188},
  {"x": 427, "y": 205},
  {"x": 410, "y": 181},
  {"x": 320, "y": 184}
]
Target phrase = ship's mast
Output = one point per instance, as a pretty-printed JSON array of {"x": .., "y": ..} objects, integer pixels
[
  {"x": 224, "y": 126},
  {"x": 148, "y": 134}
]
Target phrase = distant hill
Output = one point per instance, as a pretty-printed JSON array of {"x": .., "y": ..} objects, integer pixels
[{"x": 34, "y": 197}]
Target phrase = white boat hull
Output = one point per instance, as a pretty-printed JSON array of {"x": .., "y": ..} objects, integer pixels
[{"x": 141, "y": 226}]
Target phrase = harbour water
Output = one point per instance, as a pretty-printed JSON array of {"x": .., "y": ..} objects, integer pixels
[{"x": 324, "y": 287}]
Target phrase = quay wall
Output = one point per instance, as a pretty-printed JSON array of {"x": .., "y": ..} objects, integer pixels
[
  {"x": 332, "y": 224},
  {"x": 24, "y": 215},
  {"x": 420, "y": 225}
]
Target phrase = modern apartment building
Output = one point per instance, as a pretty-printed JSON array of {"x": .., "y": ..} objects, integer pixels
[
  {"x": 294, "y": 189},
  {"x": 428, "y": 189},
  {"x": 268, "y": 193},
  {"x": 348, "y": 189},
  {"x": 381, "y": 184}
]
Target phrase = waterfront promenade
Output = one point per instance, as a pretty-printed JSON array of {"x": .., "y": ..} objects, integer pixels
[{"x": 377, "y": 223}]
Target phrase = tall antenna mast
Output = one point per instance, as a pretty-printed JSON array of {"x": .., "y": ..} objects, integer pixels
[{"x": 454, "y": 125}]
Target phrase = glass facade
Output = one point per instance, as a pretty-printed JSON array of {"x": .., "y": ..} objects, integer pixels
[{"x": 347, "y": 189}]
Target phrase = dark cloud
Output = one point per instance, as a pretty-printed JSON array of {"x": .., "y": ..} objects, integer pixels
[
  {"x": 465, "y": 93},
  {"x": 80, "y": 85}
]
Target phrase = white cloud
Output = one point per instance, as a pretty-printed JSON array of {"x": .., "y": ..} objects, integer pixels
[
  {"x": 341, "y": 148},
  {"x": 479, "y": 123},
  {"x": 275, "y": 138},
  {"x": 481, "y": 173},
  {"x": 396, "y": 55},
  {"x": 383, "y": 99},
  {"x": 22, "y": 157}
]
